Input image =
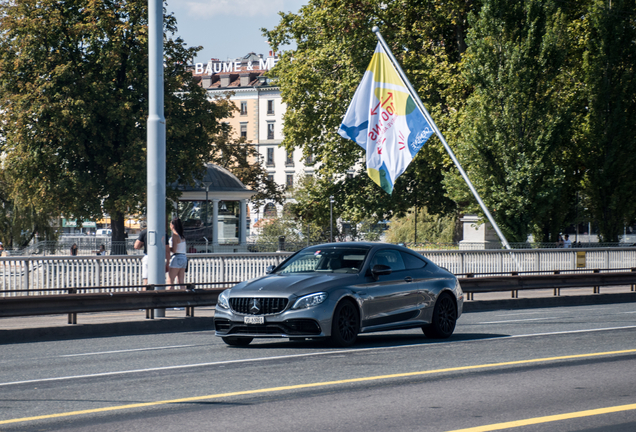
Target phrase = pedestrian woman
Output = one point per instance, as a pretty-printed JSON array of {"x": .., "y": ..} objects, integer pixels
[
  {"x": 74, "y": 249},
  {"x": 178, "y": 259}
]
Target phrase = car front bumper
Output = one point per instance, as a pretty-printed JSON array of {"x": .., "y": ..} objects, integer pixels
[{"x": 312, "y": 322}]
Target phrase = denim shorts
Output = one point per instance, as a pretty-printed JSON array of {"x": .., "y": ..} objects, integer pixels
[{"x": 178, "y": 261}]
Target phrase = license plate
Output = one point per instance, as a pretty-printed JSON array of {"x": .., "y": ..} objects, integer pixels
[{"x": 254, "y": 320}]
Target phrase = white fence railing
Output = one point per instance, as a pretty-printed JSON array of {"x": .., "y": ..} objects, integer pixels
[
  {"x": 530, "y": 260},
  {"x": 37, "y": 274}
]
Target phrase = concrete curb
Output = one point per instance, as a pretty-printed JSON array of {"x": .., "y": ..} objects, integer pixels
[{"x": 129, "y": 328}]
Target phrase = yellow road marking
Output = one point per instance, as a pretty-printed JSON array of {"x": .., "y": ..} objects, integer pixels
[
  {"x": 547, "y": 419},
  {"x": 314, "y": 385}
]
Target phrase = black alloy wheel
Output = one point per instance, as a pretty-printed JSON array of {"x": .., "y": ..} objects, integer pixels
[
  {"x": 345, "y": 324},
  {"x": 237, "y": 341},
  {"x": 444, "y": 318}
]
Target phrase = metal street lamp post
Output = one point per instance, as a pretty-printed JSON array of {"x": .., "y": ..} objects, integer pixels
[
  {"x": 331, "y": 218},
  {"x": 205, "y": 222}
]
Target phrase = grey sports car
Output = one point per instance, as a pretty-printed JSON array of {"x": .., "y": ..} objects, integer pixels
[{"x": 339, "y": 290}]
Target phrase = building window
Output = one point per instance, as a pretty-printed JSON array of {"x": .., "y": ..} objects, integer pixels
[
  {"x": 243, "y": 130},
  {"x": 270, "y": 107},
  {"x": 270, "y": 177},
  {"x": 270, "y": 211},
  {"x": 289, "y": 160},
  {"x": 270, "y": 157},
  {"x": 310, "y": 160},
  {"x": 270, "y": 131},
  {"x": 243, "y": 108},
  {"x": 289, "y": 181}
]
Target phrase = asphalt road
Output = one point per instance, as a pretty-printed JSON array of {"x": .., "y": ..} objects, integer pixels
[{"x": 553, "y": 369}]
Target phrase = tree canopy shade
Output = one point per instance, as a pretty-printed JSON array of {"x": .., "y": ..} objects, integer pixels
[{"x": 73, "y": 106}]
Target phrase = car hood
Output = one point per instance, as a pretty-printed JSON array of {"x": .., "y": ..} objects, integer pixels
[{"x": 275, "y": 285}]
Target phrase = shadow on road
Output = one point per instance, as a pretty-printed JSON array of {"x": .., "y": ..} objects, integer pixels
[{"x": 375, "y": 340}]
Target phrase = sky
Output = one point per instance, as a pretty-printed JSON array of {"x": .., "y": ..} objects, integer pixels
[{"x": 228, "y": 29}]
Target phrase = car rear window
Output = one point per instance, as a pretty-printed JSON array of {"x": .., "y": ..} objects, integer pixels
[{"x": 412, "y": 262}]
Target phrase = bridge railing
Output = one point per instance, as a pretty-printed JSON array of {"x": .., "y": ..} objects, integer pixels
[
  {"x": 531, "y": 260},
  {"x": 44, "y": 273}
]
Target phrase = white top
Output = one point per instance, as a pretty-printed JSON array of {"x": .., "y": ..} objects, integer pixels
[{"x": 181, "y": 247}]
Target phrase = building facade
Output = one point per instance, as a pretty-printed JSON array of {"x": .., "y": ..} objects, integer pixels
[{"x": 259, "y": 119}]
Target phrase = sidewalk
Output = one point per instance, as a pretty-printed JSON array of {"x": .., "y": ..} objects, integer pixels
[{"x": 121, "y": 323}]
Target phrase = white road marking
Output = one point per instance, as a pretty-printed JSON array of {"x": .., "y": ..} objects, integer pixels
[
  {"x": 518, "y": 320},
  {"x": 519, "y": 313},
  {"x": 125, "y": 351},
  {"x": 285, "y": 357},
  {"x": 569, "y": 332}
]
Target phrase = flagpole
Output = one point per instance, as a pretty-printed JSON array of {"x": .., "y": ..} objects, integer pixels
[{"x": 425, "y": 113}]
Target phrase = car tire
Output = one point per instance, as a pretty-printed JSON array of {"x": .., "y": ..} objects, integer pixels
[
  {"x": 444, "y": 318},
  {"x": 345, "y": 324},
  {"x": 237, "y": 341}
]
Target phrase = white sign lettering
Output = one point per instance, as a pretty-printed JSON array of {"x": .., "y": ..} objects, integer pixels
[{"x": 218, "y": 67}]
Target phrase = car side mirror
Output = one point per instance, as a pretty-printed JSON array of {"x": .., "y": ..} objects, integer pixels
[
  {"x": 270, "y": 269},
  {"x": 380, "y": 270}
]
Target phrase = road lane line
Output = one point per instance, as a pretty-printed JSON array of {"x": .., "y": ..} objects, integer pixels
[
  {"x": 316, "y": 385},
  {"x": 194, "y": 365},
  {"x": 293, "y": 356},
  {"x": 548, "y": 419},
  {"x": 517, "y": 320},
  {"x": 126, "y": 351},
  {"x": 566, "y": 332}
]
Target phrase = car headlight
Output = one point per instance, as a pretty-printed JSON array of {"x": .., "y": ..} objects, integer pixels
[
  {"x": 224, "y": 300},
  {"x": 310, "y": 300}
]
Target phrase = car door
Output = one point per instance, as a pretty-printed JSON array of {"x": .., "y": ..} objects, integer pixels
[{"x": 394, "y": 297}]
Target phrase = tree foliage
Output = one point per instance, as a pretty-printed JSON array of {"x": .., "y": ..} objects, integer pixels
[
  {"x": 514, "y": 140},
  {"x": 535, "y": 97},
  {"x": 606, "y": 140},
  {"x": 19, "y": 224},
  {"x": 334, "y": 43},
  {"x": 421, "y": 227},
  {"x": 73, "y": 106}
]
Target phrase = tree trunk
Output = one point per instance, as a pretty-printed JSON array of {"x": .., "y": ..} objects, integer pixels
[{"x": 119, "y": 236}]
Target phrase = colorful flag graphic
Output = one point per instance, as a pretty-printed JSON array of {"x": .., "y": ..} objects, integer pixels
[{"x": 385, "y": 121}]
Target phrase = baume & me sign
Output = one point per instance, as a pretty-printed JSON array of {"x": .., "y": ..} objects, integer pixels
[{"x": 219, "y": 67}]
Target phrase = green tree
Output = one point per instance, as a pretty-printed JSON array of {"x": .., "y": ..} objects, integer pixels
[
  {"x": 430, "y": 229},
  {"x": 19, "y": 223},
  {"x": 606, "y": 140},
  {"x": 334, "y": 44},
  {"x": 514, "y": 135},
  {"x": 73, "y": 106}
]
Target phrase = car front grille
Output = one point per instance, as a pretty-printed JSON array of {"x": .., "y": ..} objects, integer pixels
[
  {"x": 258, "y": 305},
  {"x": 290, "y": 327}
]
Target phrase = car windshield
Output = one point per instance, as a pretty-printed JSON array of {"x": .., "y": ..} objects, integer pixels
[{"x": 326, "y": 260}]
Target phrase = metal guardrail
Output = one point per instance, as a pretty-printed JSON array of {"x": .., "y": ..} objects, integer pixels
[
  {"x": 556, "y": 281},
  {"x": 104, "y": 299}
]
